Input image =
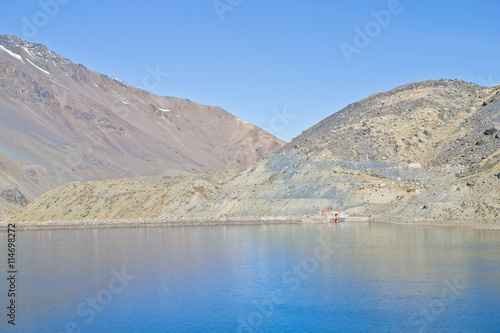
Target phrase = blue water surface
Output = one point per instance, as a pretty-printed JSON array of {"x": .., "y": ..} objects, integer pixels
[{"x": 346, "y": 277}]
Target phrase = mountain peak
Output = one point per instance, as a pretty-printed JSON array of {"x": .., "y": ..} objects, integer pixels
[{"x": 18, "y": 45}]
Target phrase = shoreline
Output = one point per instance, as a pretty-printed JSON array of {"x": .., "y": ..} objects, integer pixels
[
  {"x": 421, "y": 222},
  {"x": 174, "y": 222},
  {"x": 250, "y": 220}
]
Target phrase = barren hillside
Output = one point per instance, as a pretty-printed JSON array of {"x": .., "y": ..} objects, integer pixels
[
  {"x": 427, "y": 151},
  {"x": 62, "y": 122}
]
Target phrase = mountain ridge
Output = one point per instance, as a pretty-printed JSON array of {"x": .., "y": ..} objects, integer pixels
[
  {"x": 432, "y": 155},
  {"x": 64, "y": 122}
]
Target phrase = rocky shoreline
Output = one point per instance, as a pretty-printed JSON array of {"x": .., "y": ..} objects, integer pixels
[
  {"x": 162, "y": 222},
  {"x": 183, "y": 222}
]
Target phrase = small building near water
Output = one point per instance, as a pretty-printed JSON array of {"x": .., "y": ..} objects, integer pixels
[{"x": 334, "y": 215}]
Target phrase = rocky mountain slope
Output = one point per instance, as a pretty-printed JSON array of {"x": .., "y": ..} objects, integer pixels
[
  {"x": 426, "y": 151},
  {"x": 62, "y": 122},
  {"x": 433, "y": 123}
]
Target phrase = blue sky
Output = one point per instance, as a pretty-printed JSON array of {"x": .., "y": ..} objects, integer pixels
[{"x": 282, "y": 65}]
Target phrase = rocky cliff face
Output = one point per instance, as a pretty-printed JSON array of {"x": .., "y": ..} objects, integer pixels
[
  {"x": 62, "y": 122},
  {"x": 428, "y": 151}
]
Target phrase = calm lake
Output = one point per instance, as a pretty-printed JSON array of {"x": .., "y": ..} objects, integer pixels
[{"x": 350, "y": 277}]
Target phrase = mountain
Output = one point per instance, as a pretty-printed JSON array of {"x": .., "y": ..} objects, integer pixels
[
  {"x": 62, "y": 122},
  {"x": 433, "y": 123},
  {"x": 426, "y": 151}
]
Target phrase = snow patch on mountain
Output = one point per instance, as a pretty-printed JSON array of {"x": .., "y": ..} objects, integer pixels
[
  {"x": 60, "y": 85},
  {"x": 29, "y": 52},
  {"x": 43, "y": 70},
  {"x": 17, "y": 56},
  {"x": 121, "y": 99},
  {"x": 123, "y": 83}
]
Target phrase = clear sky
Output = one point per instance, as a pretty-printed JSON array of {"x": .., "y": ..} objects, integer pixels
[{"x": 283, "y": 65}]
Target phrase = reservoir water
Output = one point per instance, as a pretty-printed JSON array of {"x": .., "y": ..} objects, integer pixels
[{"x": 349, "y": 277}]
